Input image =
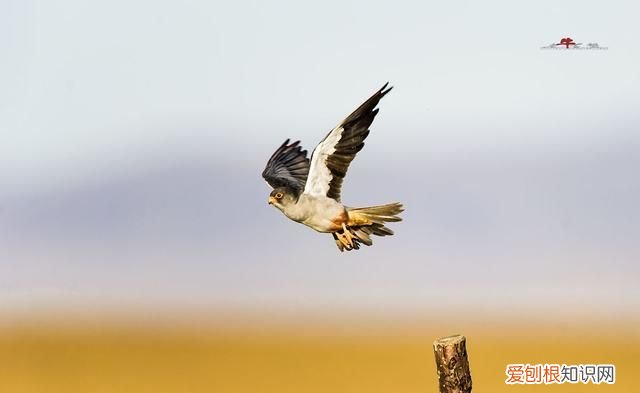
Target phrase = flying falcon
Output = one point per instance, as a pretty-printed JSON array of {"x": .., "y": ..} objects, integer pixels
[{"x": 308, "y": 192}]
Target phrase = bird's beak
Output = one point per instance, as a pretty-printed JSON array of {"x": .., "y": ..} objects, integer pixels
[{"x": 272, "y": 200}]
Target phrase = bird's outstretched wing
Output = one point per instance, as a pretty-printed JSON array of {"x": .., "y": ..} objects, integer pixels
[
  {"x": 331, "y": 158},
  {"x": 288, "y": 166}
]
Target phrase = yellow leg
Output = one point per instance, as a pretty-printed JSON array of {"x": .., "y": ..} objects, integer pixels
[
  {"x": 344, "y": 238},
  {"x": 348, "y": 236}
]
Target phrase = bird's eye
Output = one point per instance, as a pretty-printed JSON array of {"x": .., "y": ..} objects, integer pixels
[{"x": 279, "y": 195}]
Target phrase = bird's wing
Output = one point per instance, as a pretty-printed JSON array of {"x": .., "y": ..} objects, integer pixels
[
  {"x": 288, "y": 166},
  {"x": 331, "y": 158}
]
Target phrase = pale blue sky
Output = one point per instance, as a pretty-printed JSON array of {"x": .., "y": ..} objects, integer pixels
[
  {"x": 126, "y": 125},
  {"x": 90, "y": 86}
]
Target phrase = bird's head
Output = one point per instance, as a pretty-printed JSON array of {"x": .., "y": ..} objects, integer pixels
[{"x": 281, "y": 197}]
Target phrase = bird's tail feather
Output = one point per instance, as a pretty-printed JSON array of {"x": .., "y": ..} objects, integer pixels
[
  {"x": 366, "y": 221},
  {"x": 375, "y": 214}
]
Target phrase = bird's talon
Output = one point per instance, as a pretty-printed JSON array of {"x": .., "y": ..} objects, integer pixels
[{"x": 348, "y": 237}]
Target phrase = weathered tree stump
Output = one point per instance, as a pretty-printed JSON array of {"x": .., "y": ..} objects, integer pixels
[{"x": 452, "y": 364}]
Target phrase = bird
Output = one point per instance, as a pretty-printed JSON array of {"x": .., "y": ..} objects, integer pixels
[{"x": 308, "y": 190}]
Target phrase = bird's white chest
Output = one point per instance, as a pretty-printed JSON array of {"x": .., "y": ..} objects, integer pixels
[{"x": 319, "y": 213}]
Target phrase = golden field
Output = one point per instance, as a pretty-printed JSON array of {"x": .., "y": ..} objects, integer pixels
[{"x": 302, "y": 357}]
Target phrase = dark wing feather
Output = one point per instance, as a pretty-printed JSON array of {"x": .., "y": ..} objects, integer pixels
[
  {"x": 288, "y": 166},
  {"x": 331, "y": 158}
]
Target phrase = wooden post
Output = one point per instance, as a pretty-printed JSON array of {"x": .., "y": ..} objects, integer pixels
[{"x": 452, "y": 364}]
